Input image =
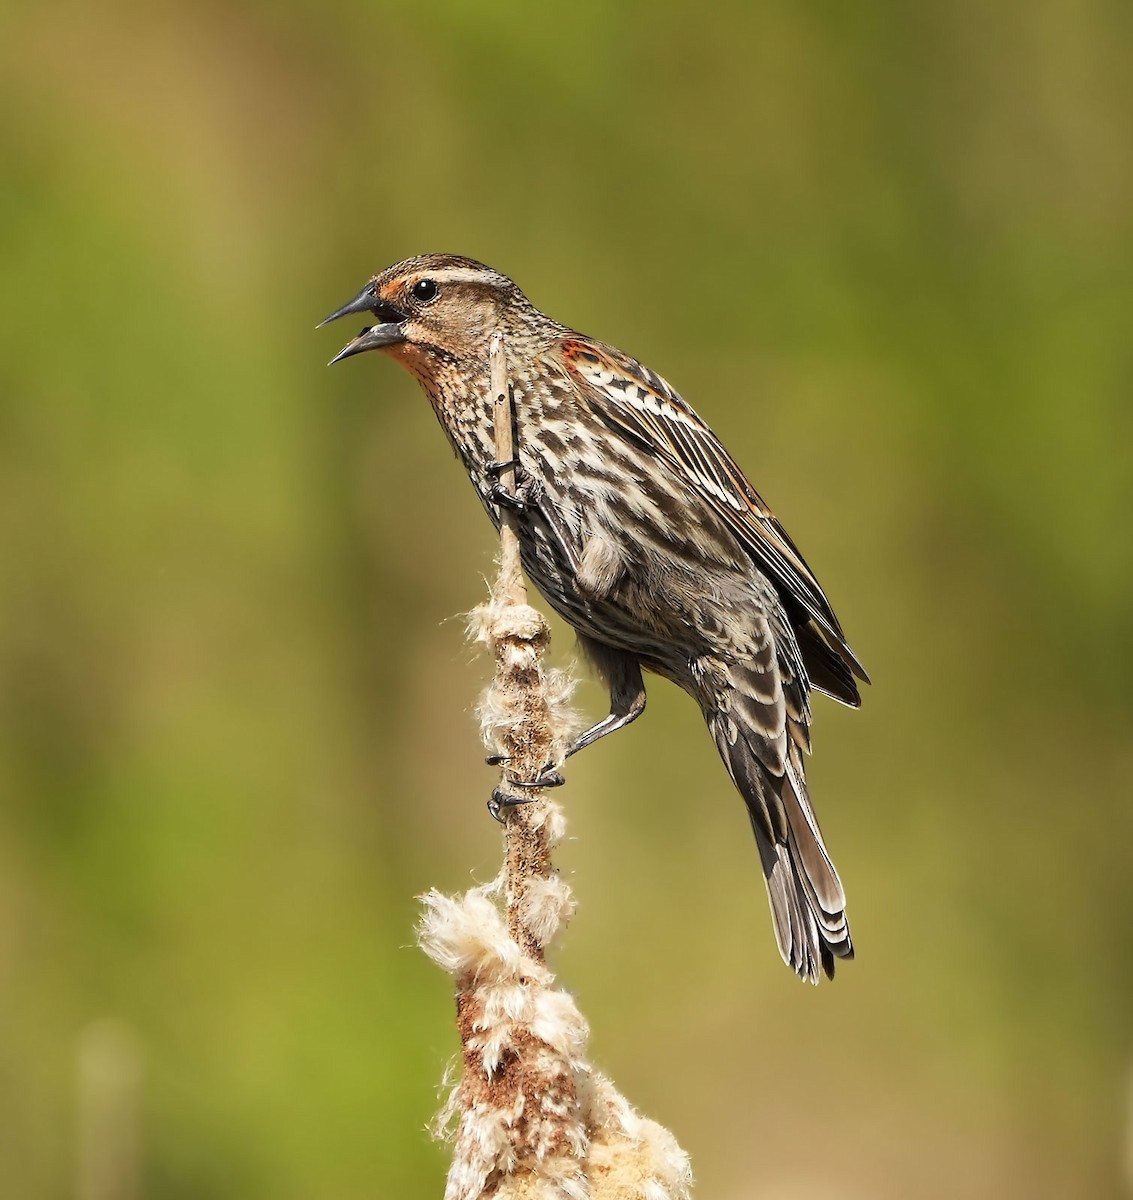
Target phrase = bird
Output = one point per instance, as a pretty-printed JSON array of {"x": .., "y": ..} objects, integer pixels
[{"x": 643, "y": 534}]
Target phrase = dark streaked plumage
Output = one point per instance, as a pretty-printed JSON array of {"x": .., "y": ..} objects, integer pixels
[{"x": 641, "y": 531}]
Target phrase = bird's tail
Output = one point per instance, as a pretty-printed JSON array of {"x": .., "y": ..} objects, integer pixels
[{"x": 808, "y": 905}]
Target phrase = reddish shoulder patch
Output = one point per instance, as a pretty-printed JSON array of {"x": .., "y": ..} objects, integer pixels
[{"x": 575, "y": 350}]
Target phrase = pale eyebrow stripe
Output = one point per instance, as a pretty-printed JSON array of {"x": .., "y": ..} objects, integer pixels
[{"x": 463, "y": 275}]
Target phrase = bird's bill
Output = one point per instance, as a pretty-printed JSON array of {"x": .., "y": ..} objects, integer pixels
[
  {"x": 388, "y": 332},
  {"x": 374, "y": 338},
  {"x": 366, "y": 301}
]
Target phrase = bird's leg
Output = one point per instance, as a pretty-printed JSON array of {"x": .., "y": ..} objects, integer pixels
[{"x": 622, "y": 674}]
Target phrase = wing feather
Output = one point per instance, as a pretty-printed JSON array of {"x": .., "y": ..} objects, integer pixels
[{"x": 641, "y": 407}]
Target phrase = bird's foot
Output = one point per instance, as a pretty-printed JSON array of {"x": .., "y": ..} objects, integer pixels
[
  {"x": 549, "y": 776},
  {"x": 515, "y": 501}
]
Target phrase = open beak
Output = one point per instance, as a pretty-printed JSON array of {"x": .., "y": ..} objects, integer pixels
[{"x": 387, "y": 332}]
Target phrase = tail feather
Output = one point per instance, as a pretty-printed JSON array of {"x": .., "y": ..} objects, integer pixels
[
  {"x": 796, "y": 931},
  {"x": 808, "y": 905},
  {"x": 819, "y": 875}
]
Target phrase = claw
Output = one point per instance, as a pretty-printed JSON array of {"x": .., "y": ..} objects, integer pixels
[
  {"x": 501, "y": 800},
  {"x": 495, "y": 469},
  {"x": 548, "y": 777}
]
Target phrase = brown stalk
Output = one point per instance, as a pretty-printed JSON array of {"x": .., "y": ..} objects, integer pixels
[
  {"x": 530, "y": 1118},
  {"x": 518, "y": 646}
]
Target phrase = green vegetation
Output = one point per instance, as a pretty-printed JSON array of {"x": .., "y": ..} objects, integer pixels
[{"x": 887, "y": 250}]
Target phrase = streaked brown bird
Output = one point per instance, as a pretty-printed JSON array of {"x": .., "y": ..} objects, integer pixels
[{"x": 641, "y": 531}]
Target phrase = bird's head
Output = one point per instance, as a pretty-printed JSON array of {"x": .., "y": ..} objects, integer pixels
[{"x": 435, "y": 308}]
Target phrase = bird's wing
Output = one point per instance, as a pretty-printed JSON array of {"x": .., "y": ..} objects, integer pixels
[{"x": 638, "y": 405}]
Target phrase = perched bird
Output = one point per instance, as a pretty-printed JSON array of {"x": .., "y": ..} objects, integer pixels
[{"x": 641, "y": 531}]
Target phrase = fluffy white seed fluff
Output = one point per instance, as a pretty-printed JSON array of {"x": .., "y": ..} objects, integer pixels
[{"x": 530, "y": 1117}]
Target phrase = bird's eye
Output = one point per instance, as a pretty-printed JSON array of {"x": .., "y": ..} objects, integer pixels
[{"x": 425, "y": 290}]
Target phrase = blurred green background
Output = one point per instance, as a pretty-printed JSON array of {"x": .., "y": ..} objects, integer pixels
[{"x": 887, "y": 250}]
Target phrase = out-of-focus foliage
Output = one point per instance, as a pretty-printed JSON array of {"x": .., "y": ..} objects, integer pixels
[{"x": 887, "y": 250}]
